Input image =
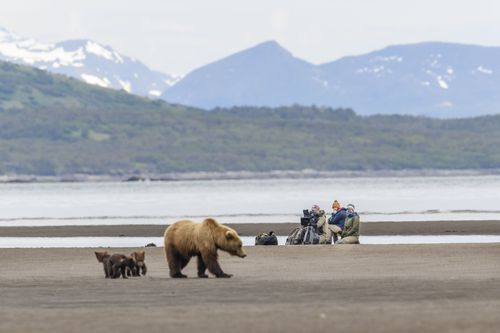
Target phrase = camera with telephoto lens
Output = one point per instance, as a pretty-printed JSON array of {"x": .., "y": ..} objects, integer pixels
[{"x": 309, "y": 218}]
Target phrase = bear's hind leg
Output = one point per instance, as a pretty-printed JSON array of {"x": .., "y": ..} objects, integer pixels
[
  {"x": 106, "y": 274},
  {"x": 201, "y": 267},
  {"x": 174, "y": 263},
  {"x": 210, "y": 260},
  {"x": 183, "y": 261},
  {"x": 114, "y": 270},
  {"x": 123, "y": 269}
]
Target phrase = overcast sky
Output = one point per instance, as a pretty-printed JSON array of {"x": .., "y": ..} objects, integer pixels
[{"x": 179, "y": 36}]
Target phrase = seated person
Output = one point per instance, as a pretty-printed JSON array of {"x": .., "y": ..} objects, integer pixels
[
  {"x": 325, "y": 235},
  {"x": 337, "y": 220},
  {"x": 350, "y": 234}
]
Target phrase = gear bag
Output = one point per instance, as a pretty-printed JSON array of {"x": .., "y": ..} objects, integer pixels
[
  {"x": 266, "y": 239},
  {"x": 310, "y": 235},
  {"x": 303, "y": 235},
  {"x": 294, "y": 237}
]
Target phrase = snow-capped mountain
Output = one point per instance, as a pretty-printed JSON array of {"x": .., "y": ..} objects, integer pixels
[
  {"x": 433, "y": 79},
  {"x": 88, "y": 61}
]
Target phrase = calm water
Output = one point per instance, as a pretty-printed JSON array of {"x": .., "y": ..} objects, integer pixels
[
  {"x": 62, "y": 242},
  {"x": 238, "y": 201}
]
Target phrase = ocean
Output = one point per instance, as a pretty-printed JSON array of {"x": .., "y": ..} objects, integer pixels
[{"x": 249, "y": 201}]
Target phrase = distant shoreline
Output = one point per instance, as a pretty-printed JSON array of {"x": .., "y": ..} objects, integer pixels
[
  {"x": 238, "y": 175},
  {"x": 485, "y": 227}
]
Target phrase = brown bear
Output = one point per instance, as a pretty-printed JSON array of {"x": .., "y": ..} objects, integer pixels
[{"x": 186, "y": 239}]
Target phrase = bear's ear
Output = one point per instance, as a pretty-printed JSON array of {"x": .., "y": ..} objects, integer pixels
[
  {"x": 100, "y": 255},
  {"x": 229, "y": 235}
]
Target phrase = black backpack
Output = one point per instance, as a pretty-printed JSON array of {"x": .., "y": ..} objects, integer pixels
[{"x": 266, "y": 239}]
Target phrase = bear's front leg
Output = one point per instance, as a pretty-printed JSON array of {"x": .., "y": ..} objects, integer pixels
[
  {"x": 201, "y": 267},
  {"x": 106, "y": 274},
  {"x": 135, "y": 270},
  {"x": 210, "y": 260}
]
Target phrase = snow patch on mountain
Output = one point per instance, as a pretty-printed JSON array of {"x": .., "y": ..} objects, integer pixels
[
  {"x": 442, "y": 83},
  {"x": 387, "y": 59},
  {"x": 174, "y": 78},
  {"x": 98, "y": 50},
  {"x": 91, "y": 79},
  {"x": 373, "y": 70},
  {"x": 155, "y": 93},
  {"x": 321, "y": 81},
  {"x": 126, "y": 85},
  {"x": 16, "y": 51},
  {"x": 484, "y": 70},
  {"x": 85, "y": 60}
]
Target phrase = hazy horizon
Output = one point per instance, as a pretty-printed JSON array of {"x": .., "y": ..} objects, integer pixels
[{"x": 179, "y": 37}]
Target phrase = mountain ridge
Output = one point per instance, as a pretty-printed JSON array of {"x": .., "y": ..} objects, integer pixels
[
  {"x": 53, "y": 125},
  {"x": 436, "y": 79}
]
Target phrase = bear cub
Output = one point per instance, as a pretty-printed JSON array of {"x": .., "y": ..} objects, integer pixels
[
  {"x": 116, "y": 264},
  {"x": 139, "y": 263}
]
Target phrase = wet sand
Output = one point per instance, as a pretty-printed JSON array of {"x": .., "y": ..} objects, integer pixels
[
  {"x": 252, "y": 229},
  {"x": 349, "y": 288}
]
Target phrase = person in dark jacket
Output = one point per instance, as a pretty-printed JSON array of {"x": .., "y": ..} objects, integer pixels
[{"x": 337, "y": 220}]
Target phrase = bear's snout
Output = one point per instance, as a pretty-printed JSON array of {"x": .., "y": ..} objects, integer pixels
[{"x": 241, "y": 253}]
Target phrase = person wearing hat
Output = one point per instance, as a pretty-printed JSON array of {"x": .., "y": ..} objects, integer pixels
[
  {"x": 324, "y": 232},
  {"x": 337, "y": 220},
  {"x": 350, "y": 234}
]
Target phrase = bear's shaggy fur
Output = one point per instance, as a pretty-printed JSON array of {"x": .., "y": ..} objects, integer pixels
[
  {"x": 186, "y": 239},
  {"x": 140, "y": 264},
  {"x": 103, "y": 258},
  {"x": 115, "y": 264}
]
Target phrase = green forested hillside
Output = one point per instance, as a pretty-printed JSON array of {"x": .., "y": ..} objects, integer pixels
[{"x": 51, "y": 125}]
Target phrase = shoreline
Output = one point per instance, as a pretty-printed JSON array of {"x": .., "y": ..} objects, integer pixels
[
  {"x": 484, "y": 227},
  {"x": 243, "y": 175}
]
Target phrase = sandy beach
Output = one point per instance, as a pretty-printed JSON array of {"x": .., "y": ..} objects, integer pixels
[
  {"x": 485, "y": 227},
  {"x": 355, "y": 288}
]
